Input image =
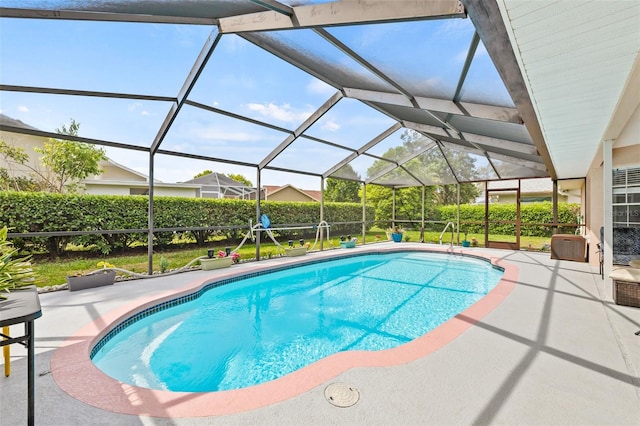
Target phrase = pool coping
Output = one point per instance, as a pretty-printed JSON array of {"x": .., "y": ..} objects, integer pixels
[{"x": 75, "y": 373}]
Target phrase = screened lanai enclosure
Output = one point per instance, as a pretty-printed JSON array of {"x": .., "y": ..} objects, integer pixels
[{"x": 378, "y": 92}]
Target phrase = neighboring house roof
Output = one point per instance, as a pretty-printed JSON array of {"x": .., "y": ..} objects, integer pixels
[
  {"x": 8, "y": 121},
  {"x": 124, "y": 171},
  {"x": 225, "y": 183},
  {"x": 272, "y": 189}
]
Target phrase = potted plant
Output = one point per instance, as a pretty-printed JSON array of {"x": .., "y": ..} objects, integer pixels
[
  {"x": 98, "y": 278},
  {"x": 465, "y": 242},
  {"x": 223, "y": 260},
  {"x": 347, "y": 242},
  {"x": 15, "y": 273},
  {"x": 292, "y": 251},
  {"x": 396, "y": 233}
]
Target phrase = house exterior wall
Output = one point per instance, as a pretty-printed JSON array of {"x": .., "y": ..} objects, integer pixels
[
  {"x": 628, "y": 154},
  {"x": 174, "y": 191},
  {"x": 111, "y": 172},
  {"x": 28, "y": 143},
  {"x": 509, "y": 197},
  {"x": 120, "y": 189}
]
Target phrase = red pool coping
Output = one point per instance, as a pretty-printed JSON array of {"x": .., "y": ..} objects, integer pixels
[{"x": 75, "y": 373}]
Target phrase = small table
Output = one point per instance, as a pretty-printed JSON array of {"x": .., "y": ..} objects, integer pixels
[{"x": 23, "y": 306}]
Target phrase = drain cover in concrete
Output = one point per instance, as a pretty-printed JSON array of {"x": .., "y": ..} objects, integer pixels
[{"x": 341, "y": 394}]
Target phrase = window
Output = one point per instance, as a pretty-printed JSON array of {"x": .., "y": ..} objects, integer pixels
[{"x": 626, "y": 197}]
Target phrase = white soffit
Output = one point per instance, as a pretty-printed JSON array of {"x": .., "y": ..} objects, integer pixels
[{"x": 575, "y": 57}]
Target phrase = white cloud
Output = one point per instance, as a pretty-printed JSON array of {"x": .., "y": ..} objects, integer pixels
[
  {"x": 331, "y": 126},
  {"x": 320, "y": 87},
  {"x": 138, "y": 106},
  {"x": 282, "y": 113},
  {"x": 23, "y": 108}
]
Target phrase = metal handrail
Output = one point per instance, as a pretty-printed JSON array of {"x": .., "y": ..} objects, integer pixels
[{"x": 453, "y": 226}]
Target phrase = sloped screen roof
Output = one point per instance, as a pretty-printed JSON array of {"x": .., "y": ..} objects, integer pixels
[{"x": 396, "y": 93}]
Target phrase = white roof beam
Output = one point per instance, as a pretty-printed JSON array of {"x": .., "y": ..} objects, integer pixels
[
  {"x": 468, "y": 109},
  {"x": 425, "y": 128},
  {"x": 505, "y": 158},
  {"x": 489, "y": 143},
  {"x": 343, "y": 13},
  {"x": 75, "y": 15},
  {"x": 524, "y": 163}
]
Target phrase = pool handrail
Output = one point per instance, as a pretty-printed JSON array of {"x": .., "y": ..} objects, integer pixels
[{"x": 453, "y": 227}]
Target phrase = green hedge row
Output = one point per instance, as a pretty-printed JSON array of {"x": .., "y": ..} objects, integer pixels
[
  {"x": 533, "y": 213},
  {"x": 26, "y": 212}
]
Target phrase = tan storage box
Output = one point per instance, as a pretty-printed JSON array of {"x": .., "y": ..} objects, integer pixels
[{"x": 569, "y": 247}]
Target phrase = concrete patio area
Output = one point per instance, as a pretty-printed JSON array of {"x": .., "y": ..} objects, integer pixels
[{"x": 556, "y": 351}]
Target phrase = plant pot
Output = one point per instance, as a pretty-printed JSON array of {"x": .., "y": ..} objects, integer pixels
[
  {"x": 98, "y": 279},
  {"x": 216, "y": 263},
  {"x": 466, "y": 243},
  {"x": 347, "y": 244},
  {"x": 295, "y": 251},
  {"x": 396, "y": 237}
]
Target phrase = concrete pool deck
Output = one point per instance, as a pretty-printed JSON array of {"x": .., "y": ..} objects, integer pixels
[{"x": 557, "y": 350}]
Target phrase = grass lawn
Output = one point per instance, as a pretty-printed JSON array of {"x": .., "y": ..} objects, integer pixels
[{"x": 55, "y": 272}]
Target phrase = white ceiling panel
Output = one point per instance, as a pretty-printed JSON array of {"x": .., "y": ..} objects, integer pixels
[{"x": 575, "y": 57}]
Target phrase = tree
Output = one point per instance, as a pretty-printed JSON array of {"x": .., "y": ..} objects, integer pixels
[
  {"x": 430, "y": 167},
  {"x": 68, "y": 161},
  {"x": 427, "y": 163},
  {"x": 341, "y": 190},
  {"x": 203, "y": 173},
  {"x": 239, "y": 178}
]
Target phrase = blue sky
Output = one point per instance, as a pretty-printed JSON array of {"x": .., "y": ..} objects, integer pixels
[{"x": 155, "y": 59}]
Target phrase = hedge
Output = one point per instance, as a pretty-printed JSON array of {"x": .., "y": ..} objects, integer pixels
[
  {"x": 530, "y": 213},
  {"x": 25, "y": 212}
]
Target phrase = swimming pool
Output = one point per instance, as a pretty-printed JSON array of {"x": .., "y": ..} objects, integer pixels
[{"x": 257, "y": 329}]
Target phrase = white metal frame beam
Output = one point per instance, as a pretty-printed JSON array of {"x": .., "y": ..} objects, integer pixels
[
  {"x": 342, "y": 13},
  {"x": 90, "y": 93},
  {"x": 73, "y": 15},
  {"x": 490, "y": 112}
]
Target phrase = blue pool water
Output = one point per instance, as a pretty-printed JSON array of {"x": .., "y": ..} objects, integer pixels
[{"x": 258, "y": 329}]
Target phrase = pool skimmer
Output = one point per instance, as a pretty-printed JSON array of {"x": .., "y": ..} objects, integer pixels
[{"x": 341, "y": 395}]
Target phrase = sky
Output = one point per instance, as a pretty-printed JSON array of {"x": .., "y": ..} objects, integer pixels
[{"x": 155, "y": 59}]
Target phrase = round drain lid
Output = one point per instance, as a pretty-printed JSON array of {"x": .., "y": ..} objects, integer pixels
[{"x": 341, "y": 394}]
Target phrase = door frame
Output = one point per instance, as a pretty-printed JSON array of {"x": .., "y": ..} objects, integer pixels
[{"x": 502, "y": 244}]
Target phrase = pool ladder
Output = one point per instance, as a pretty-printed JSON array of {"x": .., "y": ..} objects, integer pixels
[{"x": 453, "y": 227}]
